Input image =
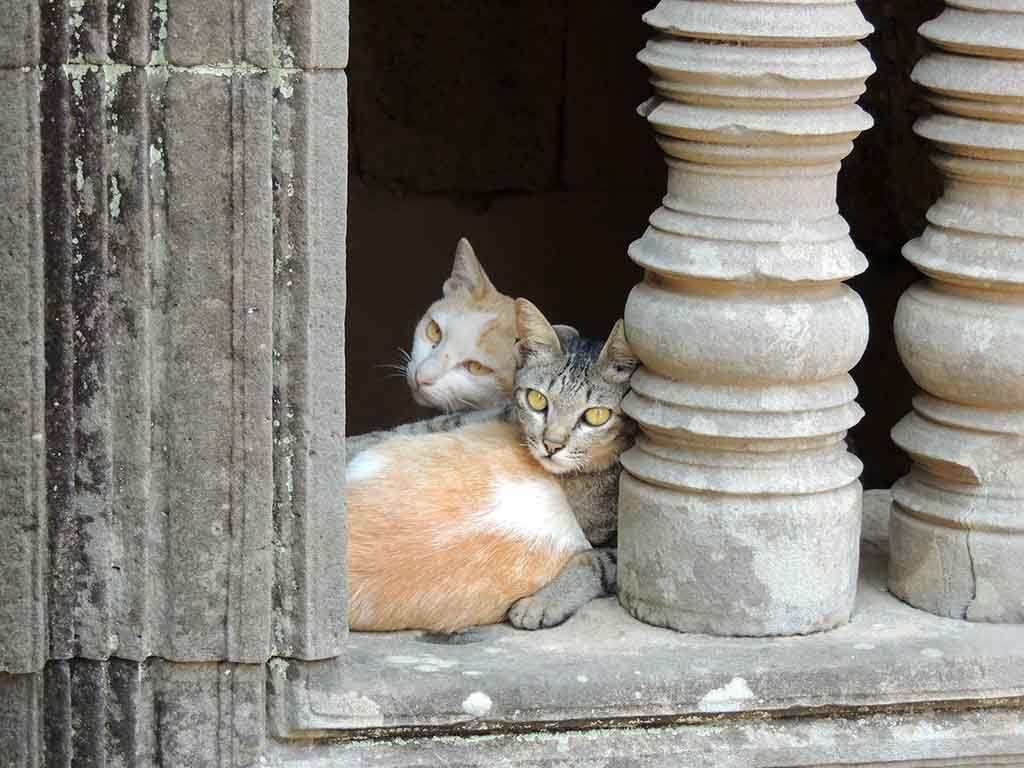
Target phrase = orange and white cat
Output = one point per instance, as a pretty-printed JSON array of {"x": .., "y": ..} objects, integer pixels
[
  {"x": 463, "y": 351},
  {"x": 463, "y": 354},
  {"x": 455, "y": 545},
  {"x": 449, "y": 529}
]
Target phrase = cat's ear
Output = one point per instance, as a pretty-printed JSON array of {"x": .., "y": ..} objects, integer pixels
[
  {"x": 565, "y": 333},
  {"x": 534, "y": 335},
  {"x": 467, "y": 274},
  {"x": 617, "y": 360}
]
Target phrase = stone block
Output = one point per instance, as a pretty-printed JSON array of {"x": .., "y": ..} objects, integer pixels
[
  {"x": 213, "y": 316},
  {"x": 134, "y": 235},
  {"x": 218, "y": 32},
  {"x": 208, "y": 715},
  {"x": 91, "y": 714},
  {"x": 100, "y": 31},
  {"x": 312, "y": 34},
  {"x": 159, "y": 267},
  {"x": 158, "y": 232},
  {"x": 21, "y": 720},
  {"x": 990, "y": 737},
  {"x": 136, "y": 364},
  {"x": 73, "y": 32},
  {"x": 75, "y": 206},
  {"x": 19, "y": 34},
  {"x": 303, "y": 33},
  {"x": 23, "y": 555},
  {"x": 459, "y": 95},
  {"x": 310, "y": 194}
]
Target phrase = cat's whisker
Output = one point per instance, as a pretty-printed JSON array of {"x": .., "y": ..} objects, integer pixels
[
  {"x": 406, "y": 358},
  {"x": 393, "y": 367}
]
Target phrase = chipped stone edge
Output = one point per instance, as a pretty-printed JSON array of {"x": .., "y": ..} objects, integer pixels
[
  {"x": 983, "y": 737},
  {"x": 295, "y": 714}
]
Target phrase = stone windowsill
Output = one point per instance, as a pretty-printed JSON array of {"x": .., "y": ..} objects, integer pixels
[{"x": 603, "y": 669}]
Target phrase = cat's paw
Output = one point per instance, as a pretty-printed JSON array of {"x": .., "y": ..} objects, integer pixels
[{"x": 537, "y": 613}]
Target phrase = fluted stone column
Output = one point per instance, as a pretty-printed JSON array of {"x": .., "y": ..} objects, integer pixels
[
  {"x": 740, "y": 507},
  {"x": 957, "y": 532},
  {"x": 172, "y": 181}
]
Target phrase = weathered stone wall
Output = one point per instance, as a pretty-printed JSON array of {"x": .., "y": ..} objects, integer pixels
[
  {"x": 515, "y": 124},
  {"x": 173, "y": 179}
]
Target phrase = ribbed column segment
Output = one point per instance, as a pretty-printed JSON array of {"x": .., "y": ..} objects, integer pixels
[
  {"x": 740, "y": 508},
  {"x": 958, "y": 519}
]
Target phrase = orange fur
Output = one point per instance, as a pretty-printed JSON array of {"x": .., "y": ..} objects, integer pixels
[
  {"x": 497, "y": 337},
  {"x": 423, "y": 553},
  {"x": 494, "y": 340}
]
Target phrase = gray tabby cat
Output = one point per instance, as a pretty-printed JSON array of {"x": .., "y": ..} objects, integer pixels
[
  {"x": 569, "y": 403},
  {"x": 567, "y": 400}
]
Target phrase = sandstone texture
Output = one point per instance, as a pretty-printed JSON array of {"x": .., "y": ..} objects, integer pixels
[
  {"x": 173, "y": 179},
  {"x": 958, "y": 517},
  {"x": 744, "y": 326}
]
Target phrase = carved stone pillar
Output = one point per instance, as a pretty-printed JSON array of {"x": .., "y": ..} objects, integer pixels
[
  {"x": 957, "y": 532},
  {"x": 172, "y": 180},
  {"x": 740, "y": 507}
]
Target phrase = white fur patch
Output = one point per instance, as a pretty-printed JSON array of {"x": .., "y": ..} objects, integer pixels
[
  {"x": 365, "y": 466},
  {"x": 534, "y": 509},
  {"x": 452, "y": 383}
]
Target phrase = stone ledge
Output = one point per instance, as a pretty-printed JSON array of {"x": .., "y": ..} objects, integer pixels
[
  {"x": 961, "y": 740},
  {"x": 603, "y": 669}
]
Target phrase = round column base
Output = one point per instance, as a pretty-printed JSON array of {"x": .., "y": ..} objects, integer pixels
[
  {"x": 954, "y": 571},
  {"x": 738, "y": 565}
]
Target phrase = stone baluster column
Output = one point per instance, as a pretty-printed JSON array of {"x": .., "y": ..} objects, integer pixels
[
  {"x": 957, "y": 531},
  {"x": 740, "y": 507}
]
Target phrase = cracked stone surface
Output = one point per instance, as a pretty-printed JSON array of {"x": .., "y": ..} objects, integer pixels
[{"x": 958, "y": 518}]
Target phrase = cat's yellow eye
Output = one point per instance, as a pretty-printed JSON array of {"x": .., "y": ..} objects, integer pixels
[
  {"x": 433, "y": 332},
  {"x": 477, "y": 369},
  {"x": 595, "y": 417},
  {"x": 536, "y": 400}
]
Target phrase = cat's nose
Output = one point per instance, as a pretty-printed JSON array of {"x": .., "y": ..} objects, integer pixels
[
  {"x": 553, "y": 447},
  {"x": 426, "y": 375},
  {"x": 432, "y": 369}
]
